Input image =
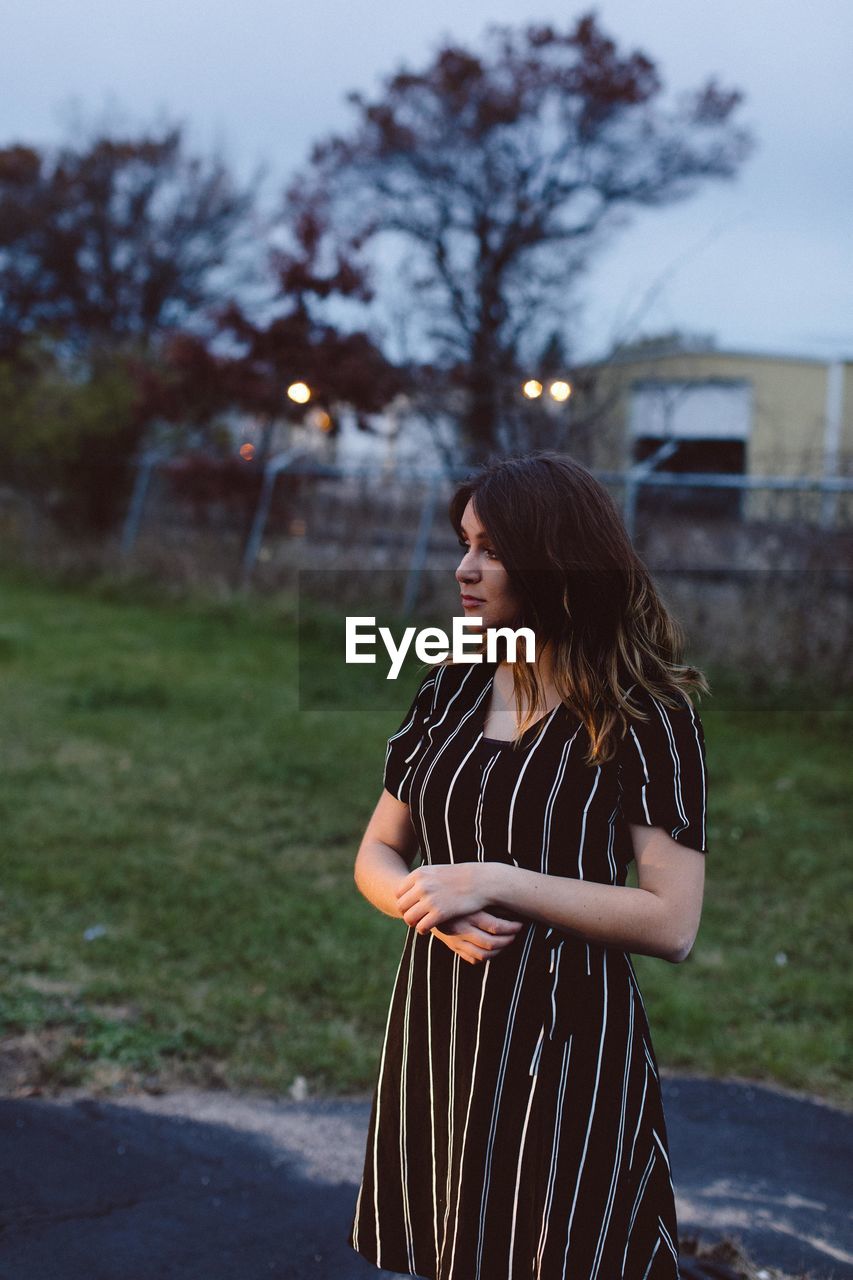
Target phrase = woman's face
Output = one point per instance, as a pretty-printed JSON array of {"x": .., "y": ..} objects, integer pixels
[{"x": 483, "y": 581}]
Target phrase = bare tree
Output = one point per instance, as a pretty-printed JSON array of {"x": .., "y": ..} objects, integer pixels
[
  {"x": 116, "y": 240},
  {"x": 495, "y": 175},
  {"x": 107, "y": 246}
]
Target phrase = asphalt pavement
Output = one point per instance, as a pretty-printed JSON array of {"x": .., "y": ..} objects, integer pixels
[{"x": 214, "y": 1186}]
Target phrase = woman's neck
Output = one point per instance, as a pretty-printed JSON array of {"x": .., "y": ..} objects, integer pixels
[{"x": 544, "y": 666}]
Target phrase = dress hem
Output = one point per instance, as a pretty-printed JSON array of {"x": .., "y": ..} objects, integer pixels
[{"x": 395, "y": 1270}]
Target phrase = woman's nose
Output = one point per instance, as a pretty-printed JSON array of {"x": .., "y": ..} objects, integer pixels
[{"x": 464, "y": 571}]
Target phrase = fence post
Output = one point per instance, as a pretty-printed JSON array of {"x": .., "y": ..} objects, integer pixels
[
  {"x": 629, "y": 505},
  {"x": 133, "y": 519},
  {"x": 833, "y": 410},
  {"x": 262, "y": 510},
  {"x": 634, "y": 478},
  {"x": 419, "y": 555}
]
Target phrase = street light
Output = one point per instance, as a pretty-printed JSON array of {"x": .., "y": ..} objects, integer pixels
[
  {"x": 560, "y": 390},
  {"x": 299, "y": 392},
  {"x": 532, "y": 389},
  {"x": 320, "y": 419}
]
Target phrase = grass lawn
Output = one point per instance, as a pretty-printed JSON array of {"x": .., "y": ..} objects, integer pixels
[{"x": 178, "y": 840}]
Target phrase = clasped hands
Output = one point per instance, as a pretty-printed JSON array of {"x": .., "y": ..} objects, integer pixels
[{"x": 455, "y": 896}]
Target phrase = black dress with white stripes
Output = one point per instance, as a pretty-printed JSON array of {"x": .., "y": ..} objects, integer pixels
[{"x": 517, "y": 1127}]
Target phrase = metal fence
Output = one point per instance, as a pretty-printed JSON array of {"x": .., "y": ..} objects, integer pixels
[
  {"x": 757, "y": 569},
  {"x": 301, "y": 513}
]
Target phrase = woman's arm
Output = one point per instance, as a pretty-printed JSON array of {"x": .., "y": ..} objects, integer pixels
[
  {"x": 659, "y": 918},
  {"x": 382, "y": 864},
  {"x": 385, "y": 854}
]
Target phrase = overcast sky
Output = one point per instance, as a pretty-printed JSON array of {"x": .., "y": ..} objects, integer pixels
[{"x": 765, "y": 262}]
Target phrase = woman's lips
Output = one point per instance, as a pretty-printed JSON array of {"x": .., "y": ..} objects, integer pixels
[{"x": 470, "y": 600}]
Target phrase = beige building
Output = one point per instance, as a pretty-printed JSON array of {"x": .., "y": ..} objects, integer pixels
[{"x": 726, "y": 412}]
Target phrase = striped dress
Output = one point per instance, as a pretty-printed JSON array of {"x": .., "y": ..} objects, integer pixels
[{"x": 517, "y": 1129}]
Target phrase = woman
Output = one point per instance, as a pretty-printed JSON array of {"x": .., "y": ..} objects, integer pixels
[{"x": 517, "y": 1127}]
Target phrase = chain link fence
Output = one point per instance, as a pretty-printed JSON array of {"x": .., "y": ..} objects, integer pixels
[{"x": 756, "y": 568}]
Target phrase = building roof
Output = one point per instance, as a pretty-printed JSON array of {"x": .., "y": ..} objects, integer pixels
[{"x": 651, "y": 354}]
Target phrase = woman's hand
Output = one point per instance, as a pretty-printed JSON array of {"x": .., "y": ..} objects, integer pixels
[
  {"x": 478, "y": 937},
  {"x": 431, "y": 895}
]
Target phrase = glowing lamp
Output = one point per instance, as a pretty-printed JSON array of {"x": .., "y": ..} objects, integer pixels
[
  {"x": 560, "y": 390},
  {"x": 532, "y": 389},
  {"x": 321, "y": 420},
  {"x": 247, "y": 452},
  {"x": 299, "y": 392}
]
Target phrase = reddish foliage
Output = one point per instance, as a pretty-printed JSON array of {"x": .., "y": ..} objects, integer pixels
[{"x": 501, "y": 168}]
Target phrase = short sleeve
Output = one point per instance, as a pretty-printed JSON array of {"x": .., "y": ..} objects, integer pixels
[
  {"x": 403, "y": 746},
  {"x": 663, "y": 773}
]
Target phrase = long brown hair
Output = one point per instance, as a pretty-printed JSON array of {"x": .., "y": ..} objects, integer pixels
[{"x": 582, "y": 588}]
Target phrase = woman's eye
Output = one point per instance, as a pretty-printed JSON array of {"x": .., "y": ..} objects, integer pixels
[{"x": 490, "y": 553}]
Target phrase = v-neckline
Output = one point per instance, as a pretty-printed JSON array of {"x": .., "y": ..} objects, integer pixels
[{"x": 484, "y": 711}]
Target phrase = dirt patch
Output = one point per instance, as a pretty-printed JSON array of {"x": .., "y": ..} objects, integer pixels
[
  {"x": 724, "y": 1260},
  {"x": 27, "y": 1061}
]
